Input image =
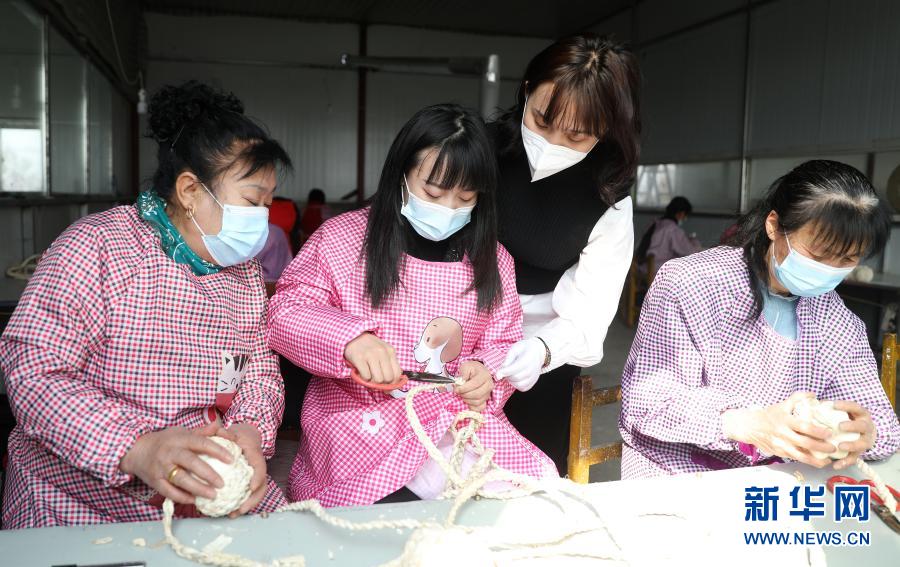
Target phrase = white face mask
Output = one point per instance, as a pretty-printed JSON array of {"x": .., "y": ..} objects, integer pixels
[
  {"x": 545, "y": 158},
  {"x": 243, "y": 234},
  {"x": 432, "y": 221}
]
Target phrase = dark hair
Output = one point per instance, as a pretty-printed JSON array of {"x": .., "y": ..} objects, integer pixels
[
  {"x": 599, "y": 79},
  {"x": 678, "y": 205},
  {"x": 316, "y": 196},
  {"x": 837, "y": 198},
  {"x": 201, "y": 129},
  {"x": 465, "y": 157},
  {"x": 675, "y": 206}
]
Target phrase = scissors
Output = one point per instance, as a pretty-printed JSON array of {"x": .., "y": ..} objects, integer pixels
[
  {"x": 875, "y": 500},
  {"x": 404, "y": 378}
]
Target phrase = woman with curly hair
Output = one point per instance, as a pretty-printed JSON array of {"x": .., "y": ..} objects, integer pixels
[{"x": 142, "y": 333}]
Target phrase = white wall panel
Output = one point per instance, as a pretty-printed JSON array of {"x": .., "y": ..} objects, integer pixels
[
  {"x": 619, "y": 26},
  {"x": 393, "y": 99},
  {"x": 249, "y": 39},
  {"x": 397, "y": 41},
  {"x": 312, "y": 112},
  {"x": 860, "y": 102},
  {"x": 659, "y": 17},
  {"x": 788, "y": 46},
  {"x": 693, "y": 94}
]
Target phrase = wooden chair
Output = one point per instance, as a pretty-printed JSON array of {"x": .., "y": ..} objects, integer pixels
[
  {"x": 581, "y": 454},
  {"x": 889, "y": 367},
  {"x": 636, "y": 283}
]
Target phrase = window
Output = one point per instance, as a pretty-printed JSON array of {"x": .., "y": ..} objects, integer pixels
[
  {"x": 764, "y": 172},
  {"x": 22, "y": 128},
  {"x": 100, "y": 170},
  {"x": 710, "y": 186},
  {"x": 887, "y": 167},
  {"x": 21, "y": 150},
  {"x": 68, "y": 117}
]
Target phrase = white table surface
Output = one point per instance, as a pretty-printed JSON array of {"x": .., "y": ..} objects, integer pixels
[{"x": 706, "y": 528}]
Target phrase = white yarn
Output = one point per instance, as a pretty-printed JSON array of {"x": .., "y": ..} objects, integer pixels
[
  {"x": 434, "y": 545},
  {"x": 444, "y": 547},
  {"x": 862, "y": 274},
  {"x": 459, "y": 543},
  {"x": 824, "y": 415},
  {"x": 880, "y": 487},
  {"x": 235, "y": 476}
]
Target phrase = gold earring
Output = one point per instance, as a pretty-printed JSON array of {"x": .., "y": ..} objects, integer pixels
[{"x": 190, "y": 213}]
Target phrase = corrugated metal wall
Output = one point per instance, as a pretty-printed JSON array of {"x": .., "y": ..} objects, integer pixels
[
  {"x": 831, "y": 81},
  {"x": 694, "y": 94},
  {"x": 287, "y": 75}
]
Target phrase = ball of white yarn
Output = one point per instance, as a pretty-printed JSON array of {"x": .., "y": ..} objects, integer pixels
[
  {"x": 445, "y": 547},
  {"x": 862, "y": 274},
  {"x": 824, "y": 415},
  {"x": 235, "y": 476}
]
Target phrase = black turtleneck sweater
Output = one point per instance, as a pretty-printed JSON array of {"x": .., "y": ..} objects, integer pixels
[{"x": 448, "y": 250}]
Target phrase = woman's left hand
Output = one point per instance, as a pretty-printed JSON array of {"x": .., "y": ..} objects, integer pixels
[
  {"x": 250, "y": 442},
  {"x": 524, "y": 363},
  {"x": 860, "y": 422},
  {"x": 478, "y": 385}
]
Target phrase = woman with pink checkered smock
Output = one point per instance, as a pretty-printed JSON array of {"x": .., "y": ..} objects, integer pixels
[
  {"x": 730, "y": 339},
  {"x": 415, "y": 282},
  {"x": 141, "y": 334}
]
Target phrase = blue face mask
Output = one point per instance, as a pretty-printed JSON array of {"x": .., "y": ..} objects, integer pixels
[
  {"x": 243, "y": 235},
  {"x": 804, "y": 276},
  {"x": 432, "y": 221}
]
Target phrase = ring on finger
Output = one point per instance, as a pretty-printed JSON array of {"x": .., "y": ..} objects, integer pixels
[{"x": 172, "y": 474}]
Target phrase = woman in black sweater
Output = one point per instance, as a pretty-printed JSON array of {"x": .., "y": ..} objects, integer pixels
[{"x": 568, "y": 152}]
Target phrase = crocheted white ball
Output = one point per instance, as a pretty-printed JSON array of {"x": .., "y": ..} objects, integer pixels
[
  {"x": 445, "y": 547},
  {"x": 862, "y": 274},
  {"x": 236, "y": 478},
  {"x": 824, "y": 415}
]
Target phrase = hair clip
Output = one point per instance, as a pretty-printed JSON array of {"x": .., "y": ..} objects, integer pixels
[{"x": 178, "y": 135}]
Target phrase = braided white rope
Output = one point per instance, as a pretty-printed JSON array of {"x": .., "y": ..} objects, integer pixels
[
  {"x": 459, "y": 488},
  {"x": 880, "y": 487}
]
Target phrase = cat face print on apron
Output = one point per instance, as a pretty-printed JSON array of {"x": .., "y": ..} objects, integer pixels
[{"x": 234, "y": 368}]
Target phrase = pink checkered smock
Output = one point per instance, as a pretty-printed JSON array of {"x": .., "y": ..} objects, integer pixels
[
  {"x": 357, "y": 445},
  {"x": 111, "y": 340},
  {"x": 696, "y": 354}
]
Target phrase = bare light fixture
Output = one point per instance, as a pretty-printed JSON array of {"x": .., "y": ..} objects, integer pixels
[{"x": 487, "y": 68}]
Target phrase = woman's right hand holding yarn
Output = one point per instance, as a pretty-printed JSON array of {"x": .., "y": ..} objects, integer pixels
[{"x": 155, "y": 455}]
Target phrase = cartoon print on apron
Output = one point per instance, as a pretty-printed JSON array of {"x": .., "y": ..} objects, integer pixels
[
  {"x": 234, "y": 368},
  {"x": 439, "y": 345}
]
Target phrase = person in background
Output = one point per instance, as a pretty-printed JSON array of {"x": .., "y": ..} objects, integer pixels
[
  {"x": 284, "y": 213},
  {"x": 568, "y": 152},
  {"x": 730, "y": 339},
  {"x": 729, "y": 234},
  {"x": 142, "y": 333},
  {"x": 314, "y": 214},
  {"x": 275, "y": 256},
  {"x": 665, "y": 239}
]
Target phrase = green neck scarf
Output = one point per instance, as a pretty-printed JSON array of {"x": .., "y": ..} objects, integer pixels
[{"x": 152, "y": 209}]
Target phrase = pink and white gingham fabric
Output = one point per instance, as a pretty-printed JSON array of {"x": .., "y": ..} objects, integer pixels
[
  {"x": 697, "y": 354},
  {"x": 111, "y": 340},
  {"x": 357, "y": 445}
]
